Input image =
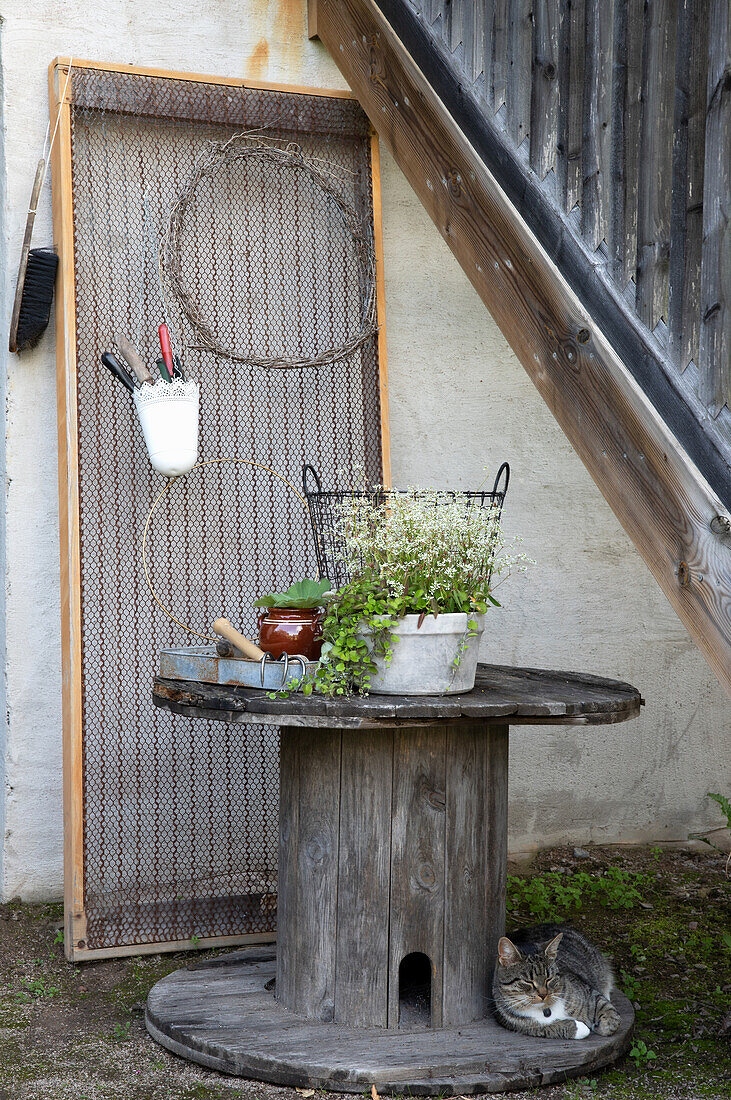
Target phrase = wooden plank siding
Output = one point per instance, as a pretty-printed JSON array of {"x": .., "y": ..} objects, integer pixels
[
  {"x": 655, "y": 163},
  {"x": 500, "y": 53},
  {"x": 715, "y": 339},
  {"x": 667, "y": 507},
  {"x": 592, "y": 220},
  {"x": 625, "y": 137},
  {"x": 686, "y": 228},
  {"x": 570, "y": 101},
  {"x": 544, "y": 91},
  {"x": 616, "y": 97}
]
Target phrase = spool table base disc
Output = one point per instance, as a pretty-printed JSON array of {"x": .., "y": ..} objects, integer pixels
[{"x": 220, "y": 1014}]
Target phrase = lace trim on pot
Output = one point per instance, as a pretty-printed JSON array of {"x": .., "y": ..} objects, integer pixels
[{"x": 176, "y": 390}]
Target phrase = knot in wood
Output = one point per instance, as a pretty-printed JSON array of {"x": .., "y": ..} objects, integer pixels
[
  {"x": 316, "y": 850},
  {"x": 375, "y": 61},
  {"x": 547, "y": 68},
  {"x": 569, "y": 352},
  {"x": 437, "y": 799},
  {"x": 683, "y": 574},
  {"x": 455, "y": 184},
  {"x": 721, "y": 525},
  {"x": 426, "y": 876}
]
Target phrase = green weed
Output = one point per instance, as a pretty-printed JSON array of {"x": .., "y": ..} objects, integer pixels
[
  {"x": 121, "y": 1031},
  {"x": 630, "y": 985},
  {"x": 552, "y": 894},
  {"x": 640, "y": 1054},
  {"x": 36, "y": 989}
]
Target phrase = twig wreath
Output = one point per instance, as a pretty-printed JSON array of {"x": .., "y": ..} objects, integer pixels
[{"x": 327, "y": 177}]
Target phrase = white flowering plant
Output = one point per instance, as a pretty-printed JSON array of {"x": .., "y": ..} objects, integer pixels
[
  {"x": 418, "y": 552},
  {"x": 432, "y": 551}
]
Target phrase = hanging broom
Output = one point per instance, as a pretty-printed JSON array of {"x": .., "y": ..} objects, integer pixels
[
  {"x": 38, "y": 266},
  {"x": 36, "y": 278}
]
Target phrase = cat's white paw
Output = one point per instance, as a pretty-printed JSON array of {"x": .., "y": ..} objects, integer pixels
[{"x": 581, "y": 1030}]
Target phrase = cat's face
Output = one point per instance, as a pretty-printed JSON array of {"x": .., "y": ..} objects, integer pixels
[{"x": 531, "y": 984}]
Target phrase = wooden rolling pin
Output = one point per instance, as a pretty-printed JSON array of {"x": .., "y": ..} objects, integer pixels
[
  {"x": 223, "y": 628},
  {"x": 134, "y": 359}
]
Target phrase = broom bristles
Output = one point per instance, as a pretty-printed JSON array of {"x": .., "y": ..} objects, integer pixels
[{"x": 35, "y": 305}]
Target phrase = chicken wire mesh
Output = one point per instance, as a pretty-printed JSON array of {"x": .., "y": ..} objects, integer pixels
[{"x": 180, "y": 815}]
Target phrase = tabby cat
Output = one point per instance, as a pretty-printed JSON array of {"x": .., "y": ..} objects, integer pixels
[{"x": 555, "y": 985}]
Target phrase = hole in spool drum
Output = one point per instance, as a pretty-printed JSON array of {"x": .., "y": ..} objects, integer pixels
[{"x": 414, "y": 985}]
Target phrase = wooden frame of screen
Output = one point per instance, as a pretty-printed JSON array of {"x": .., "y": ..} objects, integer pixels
[{"x": 68, "y": 482}]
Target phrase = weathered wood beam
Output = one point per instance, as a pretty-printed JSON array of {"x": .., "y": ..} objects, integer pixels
[{"x": 665, "y": 505}]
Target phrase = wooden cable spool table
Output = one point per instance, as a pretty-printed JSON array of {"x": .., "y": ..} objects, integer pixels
[{"x": 391, "y": 894}]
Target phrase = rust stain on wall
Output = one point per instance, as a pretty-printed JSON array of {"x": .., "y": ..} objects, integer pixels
[
  {"x": 280, "y": 31},
  {"x": 257, "y": 65},
  {"x": 290, "y": 29}
]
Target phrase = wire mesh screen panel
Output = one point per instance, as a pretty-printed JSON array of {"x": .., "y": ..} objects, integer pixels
[{"x": 180, "y": 815}]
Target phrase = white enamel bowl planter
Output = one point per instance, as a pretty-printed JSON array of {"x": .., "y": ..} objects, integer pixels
[{"x": 438, "y": 658}]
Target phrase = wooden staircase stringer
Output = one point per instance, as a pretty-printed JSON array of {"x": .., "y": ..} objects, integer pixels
[{"x": 673, "y": 515}]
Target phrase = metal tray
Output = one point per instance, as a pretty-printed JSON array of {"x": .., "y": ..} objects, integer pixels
[{"x": 203, "y": 663}]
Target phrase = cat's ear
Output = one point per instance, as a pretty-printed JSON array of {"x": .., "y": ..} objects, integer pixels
[
  {"x": 551, "y": 949},
  {"x": 507, "y": 952}
]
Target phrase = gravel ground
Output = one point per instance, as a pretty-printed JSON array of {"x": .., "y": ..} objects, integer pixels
[{"x": 77, "y": 1031}]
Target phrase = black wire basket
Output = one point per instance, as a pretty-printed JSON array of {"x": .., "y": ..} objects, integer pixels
[{"x": 324, "y": 511}]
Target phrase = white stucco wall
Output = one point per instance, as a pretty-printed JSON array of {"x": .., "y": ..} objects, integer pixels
[{"x": 459, "y": 401}]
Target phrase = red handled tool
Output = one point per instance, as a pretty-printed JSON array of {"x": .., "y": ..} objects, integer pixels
[{"x": 167, "y": 350}]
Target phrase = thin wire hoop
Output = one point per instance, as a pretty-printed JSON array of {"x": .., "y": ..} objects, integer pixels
[
  {"x": 325, "y": 176},
  {"x": 163, "y": 492}
]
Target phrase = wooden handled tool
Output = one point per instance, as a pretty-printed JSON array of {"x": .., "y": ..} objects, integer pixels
[
  {"x": 110, "y": 361},
  {"x": 225, "y": 630},
  {"x": 167, "y": 350},
  {"x": 134, "y": 359}
]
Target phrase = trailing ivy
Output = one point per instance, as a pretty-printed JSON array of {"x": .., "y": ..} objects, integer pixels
[{"x": 357, "y": 626}]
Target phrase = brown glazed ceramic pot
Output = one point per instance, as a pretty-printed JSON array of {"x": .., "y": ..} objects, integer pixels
[{"x": 288, "y": 631}]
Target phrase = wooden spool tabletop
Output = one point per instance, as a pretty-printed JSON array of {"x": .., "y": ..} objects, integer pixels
[
  {"x": 391, "y": 893},
  {"x": 501, "y": 693}
]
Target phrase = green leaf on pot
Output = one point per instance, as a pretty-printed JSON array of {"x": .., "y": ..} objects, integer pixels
[{"x": 301, "y": 596}]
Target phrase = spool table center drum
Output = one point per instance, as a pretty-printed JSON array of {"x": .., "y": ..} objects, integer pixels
[{"x": 391, "y": 895}]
